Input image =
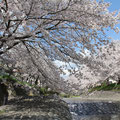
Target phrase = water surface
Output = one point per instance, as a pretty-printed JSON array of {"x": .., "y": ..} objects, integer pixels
[{"x": 94, "y": 110}]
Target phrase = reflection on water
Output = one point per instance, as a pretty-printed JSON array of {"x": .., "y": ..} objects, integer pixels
[
  {"x": 97, "y": 117},
  {"x": 95, "y": 110}
]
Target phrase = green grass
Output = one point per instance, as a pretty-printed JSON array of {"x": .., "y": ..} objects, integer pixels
[
  {"x": 73, "y": 96},
  {"x": 68, "y": 96},
  {"x": 65, "y": 95},
  {"x": 105, "y": 87}
]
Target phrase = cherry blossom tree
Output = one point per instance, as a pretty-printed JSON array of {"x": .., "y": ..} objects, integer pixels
[
  {"x": 110, "y": 56},
  {"x": 104, "y": 65},
  {"x": 58, "y": 28},
  {"x": 34, "y": 66},
  {"x": 53, "y": 30}
]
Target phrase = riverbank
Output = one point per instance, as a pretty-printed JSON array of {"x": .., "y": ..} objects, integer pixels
[
  {"x": 98, "y": 105},
  {"x": 110, "y": 96},
  {"x": 35, "y": 108}
]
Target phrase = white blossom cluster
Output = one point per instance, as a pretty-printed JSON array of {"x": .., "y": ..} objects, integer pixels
[{"x": 56, "y": 29}]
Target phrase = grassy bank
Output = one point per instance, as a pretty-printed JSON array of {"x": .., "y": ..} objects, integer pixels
[{"x": 106, "y": 87}]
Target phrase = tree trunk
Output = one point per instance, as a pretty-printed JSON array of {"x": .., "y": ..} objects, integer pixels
[
  {"x": 118, "y": 81},
  {"x": 3, "y": 94}
]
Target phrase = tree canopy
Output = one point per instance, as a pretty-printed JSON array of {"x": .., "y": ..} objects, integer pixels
[{"x": 49, "y": 30}]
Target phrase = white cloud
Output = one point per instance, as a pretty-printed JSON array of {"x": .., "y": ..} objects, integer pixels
[
  {"x": 69, "y": 65},
  {"x": 85, "y": 53},
  {"x": 61, "y": 63},
  {"x": 65, "y": 69}
]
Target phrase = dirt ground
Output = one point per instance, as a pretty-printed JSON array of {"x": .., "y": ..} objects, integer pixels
[{"x": 35, "y": 108}]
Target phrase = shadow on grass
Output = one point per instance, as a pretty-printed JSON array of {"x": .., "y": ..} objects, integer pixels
[{"x": 27, "y": 107}]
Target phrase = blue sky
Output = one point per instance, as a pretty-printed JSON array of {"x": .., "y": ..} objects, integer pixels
[{"x": 115, "y": 5}]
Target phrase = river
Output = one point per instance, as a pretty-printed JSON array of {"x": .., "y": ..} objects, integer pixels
[{"x": 94, "y": 110}]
